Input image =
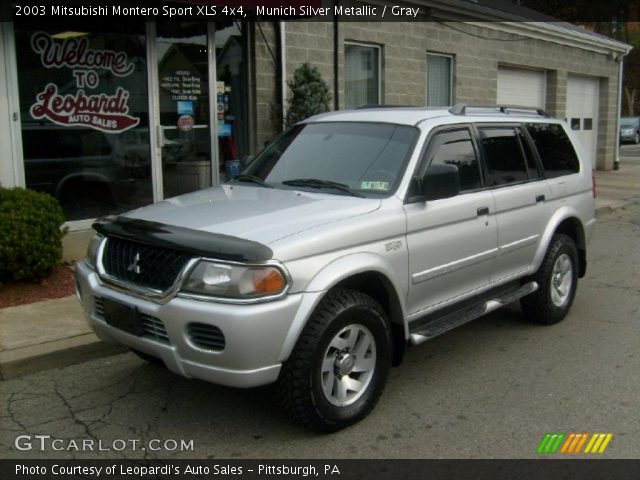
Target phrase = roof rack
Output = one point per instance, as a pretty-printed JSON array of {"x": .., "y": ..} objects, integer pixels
[{"x": 461, "y": 109}]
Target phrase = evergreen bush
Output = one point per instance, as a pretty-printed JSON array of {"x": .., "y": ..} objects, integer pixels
[
  {"x": 309, "y": 94},
  {"x": 30, "y": 234}
]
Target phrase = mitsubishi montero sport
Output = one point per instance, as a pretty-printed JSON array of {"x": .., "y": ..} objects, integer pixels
[{"x": 352, "y": 236}]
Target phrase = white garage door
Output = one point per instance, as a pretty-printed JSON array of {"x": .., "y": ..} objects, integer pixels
[
  {"x": 582, "y": 112},
  {"x": 521, "y": 87}
]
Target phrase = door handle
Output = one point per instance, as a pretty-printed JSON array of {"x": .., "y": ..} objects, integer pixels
[
  {"x": 160, "y": 136},
  {"x": 483, "y": 211},
  {"x": 540, "y": 198}
]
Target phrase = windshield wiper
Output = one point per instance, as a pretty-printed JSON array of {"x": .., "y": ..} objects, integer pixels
[
  {"x": 252, "y": 179},
  {"x": 318, "y": 183}
]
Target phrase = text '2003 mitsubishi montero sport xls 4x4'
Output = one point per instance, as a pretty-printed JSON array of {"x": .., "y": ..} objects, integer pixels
[{"x": 351, "y": 236}]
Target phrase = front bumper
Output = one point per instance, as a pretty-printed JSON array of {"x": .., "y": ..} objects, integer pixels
[
  {"x": 254, "y": 334},
  {"x": 627, "y": 137}
]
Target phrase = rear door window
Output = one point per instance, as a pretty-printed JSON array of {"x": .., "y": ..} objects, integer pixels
[
  {"x": 530, "y": 156},
  {"x": 554, "y": 148},
  {"x": 503, "y": 156}
]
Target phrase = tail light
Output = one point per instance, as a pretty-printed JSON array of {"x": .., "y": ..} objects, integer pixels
[{"x": 593, "y": 183}]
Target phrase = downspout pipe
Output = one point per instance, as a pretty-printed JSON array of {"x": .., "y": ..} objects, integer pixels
[
  {"x": 283, "y": 71},
  {"x": 616, "y": 160},
  {"x": 336, "y": 53}
]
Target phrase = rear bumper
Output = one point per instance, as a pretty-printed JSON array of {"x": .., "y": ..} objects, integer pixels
[{"x": 254, "y": 334}]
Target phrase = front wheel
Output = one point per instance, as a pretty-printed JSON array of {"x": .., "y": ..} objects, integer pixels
[
  {"x": 340, "y": 363},
  {"x": 557, "y": 279}
]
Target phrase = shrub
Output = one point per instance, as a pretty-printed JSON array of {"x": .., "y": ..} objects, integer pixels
[
  {"x": 30, "y": 234},
  {"x": 309, "y": 94}
]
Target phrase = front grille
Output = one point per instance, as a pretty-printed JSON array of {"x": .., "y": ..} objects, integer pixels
[
  {"x": 206, "y": 336},
  {"x": 142, "y": 265},
  {"x": 153, "y": 327}
]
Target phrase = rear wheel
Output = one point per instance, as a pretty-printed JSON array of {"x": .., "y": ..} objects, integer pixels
[
  {"x": 557, "y": 280},
  {"x": 340, "y": 363}
]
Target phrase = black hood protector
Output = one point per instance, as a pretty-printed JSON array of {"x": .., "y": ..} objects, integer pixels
[{"x": 197, "y": 242}]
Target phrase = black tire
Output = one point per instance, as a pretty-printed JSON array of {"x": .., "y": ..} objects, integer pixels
[
  {"x": 636, "y": 138},
  {"x": 300, "y": 386},
  {"x": 540, "y": 306},
  {"x": 148, "y": 358}
]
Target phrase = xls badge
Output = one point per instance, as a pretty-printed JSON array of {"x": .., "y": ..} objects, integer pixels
[{"x": 393, "y": 246}]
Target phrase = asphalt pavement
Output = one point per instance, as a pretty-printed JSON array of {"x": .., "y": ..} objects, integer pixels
[{"x": 490, "y": 389}]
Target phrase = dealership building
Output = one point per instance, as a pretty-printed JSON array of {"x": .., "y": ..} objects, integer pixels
[{"x": 108, "y": 116}]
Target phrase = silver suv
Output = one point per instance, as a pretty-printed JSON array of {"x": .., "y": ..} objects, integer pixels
[{"x": 352, "y": 236}]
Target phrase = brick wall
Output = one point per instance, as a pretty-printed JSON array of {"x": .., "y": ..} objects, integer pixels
[{"x": 477, "y": 51}]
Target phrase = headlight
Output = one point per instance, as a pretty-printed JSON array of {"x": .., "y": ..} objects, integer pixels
[
  {"x": 235, "y": 281},
  {"x": 92, "y": 250}
]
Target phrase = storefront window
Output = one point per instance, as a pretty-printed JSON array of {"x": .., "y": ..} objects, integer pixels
[{"x": 84, "y": 111}]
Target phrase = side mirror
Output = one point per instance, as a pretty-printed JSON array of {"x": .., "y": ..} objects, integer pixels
[{"x": 440, "y": 181}]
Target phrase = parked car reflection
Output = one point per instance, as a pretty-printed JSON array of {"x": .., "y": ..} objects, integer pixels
[{"x": 91, "y": 173}]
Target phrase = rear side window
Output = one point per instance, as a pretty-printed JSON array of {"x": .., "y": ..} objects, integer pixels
[
  {"x": 456, "y": 148},
  {"x": 503, "y": 156},
  {"x": 554, "y": 148}
]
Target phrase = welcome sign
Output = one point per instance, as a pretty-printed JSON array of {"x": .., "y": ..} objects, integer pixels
[{"x": 101, "y": 111}]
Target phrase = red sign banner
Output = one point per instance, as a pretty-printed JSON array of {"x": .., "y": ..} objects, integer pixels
[
  {"x": 101, "y": 111},
  {"x": 107, "y": 113}
]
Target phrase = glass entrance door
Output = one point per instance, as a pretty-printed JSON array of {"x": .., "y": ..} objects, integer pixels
[{"x": 184, "y": 133}]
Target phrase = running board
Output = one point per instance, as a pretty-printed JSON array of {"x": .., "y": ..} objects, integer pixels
[{"x": 459, "y": 317}]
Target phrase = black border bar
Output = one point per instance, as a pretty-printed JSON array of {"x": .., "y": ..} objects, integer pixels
[{"x": 324, "y": 469}]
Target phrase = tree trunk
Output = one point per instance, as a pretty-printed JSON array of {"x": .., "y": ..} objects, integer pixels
[{"x": 630, "y": 94}]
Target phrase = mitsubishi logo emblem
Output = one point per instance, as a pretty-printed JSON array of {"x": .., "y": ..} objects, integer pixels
[{"x": 135, "y": 265}]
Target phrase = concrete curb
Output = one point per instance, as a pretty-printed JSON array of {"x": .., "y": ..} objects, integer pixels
[{"x": 60, "y": 353}]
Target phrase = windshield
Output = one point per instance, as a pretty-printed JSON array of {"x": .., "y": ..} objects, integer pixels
[
  {"x": 628, "y": 122},
  {"x": 366, "y": 158}
]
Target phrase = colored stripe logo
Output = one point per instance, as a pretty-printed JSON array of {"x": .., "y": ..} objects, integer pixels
[{"x": 573, "y": 443}]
